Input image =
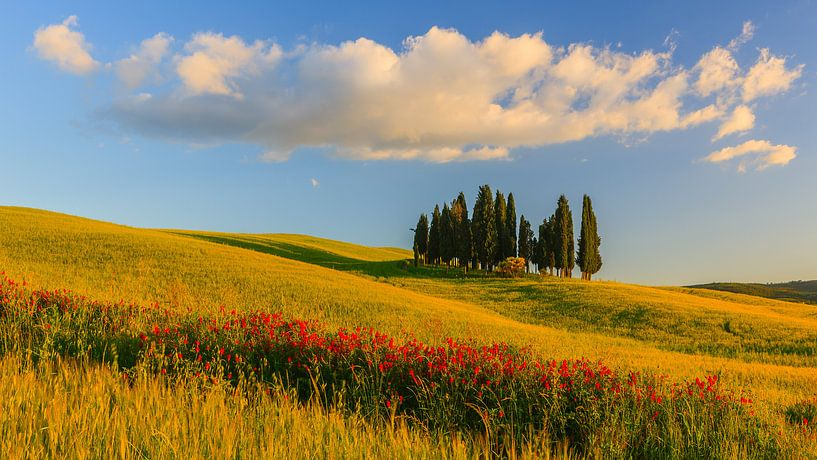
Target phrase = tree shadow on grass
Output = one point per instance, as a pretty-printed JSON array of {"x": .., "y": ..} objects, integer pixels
[{"x": 376, "y": 269}]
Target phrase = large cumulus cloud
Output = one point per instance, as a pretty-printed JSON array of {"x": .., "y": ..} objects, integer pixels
[{"x": 440, "y": 97}]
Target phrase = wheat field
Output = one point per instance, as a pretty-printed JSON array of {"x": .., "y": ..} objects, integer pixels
[{"x": 760, "y": 346}]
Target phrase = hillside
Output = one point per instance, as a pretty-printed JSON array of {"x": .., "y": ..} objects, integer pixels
[
  {"x": 751, "y": 345},
  {"x": 670, "y": 319},
  {"x": 792, "y": 291},
  {"x": 768, "y": 348}
]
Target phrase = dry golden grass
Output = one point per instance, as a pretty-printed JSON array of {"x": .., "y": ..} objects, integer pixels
[{"x": 677, "y": 331}]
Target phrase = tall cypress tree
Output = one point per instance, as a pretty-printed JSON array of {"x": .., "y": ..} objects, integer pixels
[
  {"x": 571, "y": 249},
  {"x": 588, "y": 256},
  {"x": 563, "y": 249},
  {"x": 434, "y": 237},
  {"x": 525, "y": 236},
  {"x": 582, "y": 256},
  {"x": 534, "y": 245},
  {"x": 551, "y": 241},
  {"x": 446, "y": 236},
  {"x": 483, "y": 227},
  {"x": 462, "y": 231},
  {"x": 500, "y": 219},
  {"x": 510, "y": 227},
  {"x": 421, "y": 237},
  {"x": 542, "y": 246}
]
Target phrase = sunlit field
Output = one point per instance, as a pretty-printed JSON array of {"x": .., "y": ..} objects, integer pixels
[{"x": 338, "y": 347}]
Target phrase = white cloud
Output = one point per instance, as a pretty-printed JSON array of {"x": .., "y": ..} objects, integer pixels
[
  {"x": 140, "y": 66},
  {"x": 215, "y": 62},
  {"x": 314, "y": 182},
  {"x": 439, "y": 98},
  {"x": 745, "y": 36},
  {"x": 742, "y": 119},
  {"x": 66, "y": 47},
  {"x": 762, "y": 155},
  {"x": 717, "y": 70},
  {"x": 769, "y": 76}
]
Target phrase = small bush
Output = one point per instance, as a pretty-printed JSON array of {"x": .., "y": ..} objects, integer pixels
[{"x": 512, "y": 266}]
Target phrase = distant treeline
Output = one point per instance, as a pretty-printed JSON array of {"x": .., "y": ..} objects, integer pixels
[{"x": 491, "y": 236}]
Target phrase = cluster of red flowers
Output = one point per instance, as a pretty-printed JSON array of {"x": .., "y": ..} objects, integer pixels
[{"x": 458, "y": 383}]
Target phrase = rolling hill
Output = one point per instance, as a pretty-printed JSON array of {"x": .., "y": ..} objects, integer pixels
[
  {"x": 792, "y": 291},
  {"x": 756, "y": 344}
]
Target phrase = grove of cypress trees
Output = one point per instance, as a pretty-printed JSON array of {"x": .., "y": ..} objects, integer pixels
[
  {"x": 500, "y": 219},
  {"x": 588, "y": 257},
  {"x": 483, "y": 227},
  {"x": 492, "y": 235},
  {"x": 525, "y": 236},
  {"x": 510, "y": 227},
  {"x": 446, "y": 236},
  {"x": 421, "y": 237},
  {"x": 434, "y": 237}
]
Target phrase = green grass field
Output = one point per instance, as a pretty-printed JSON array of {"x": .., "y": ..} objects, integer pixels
[
  {"x": 767, "y": 347},
  {"x": 793, "y": 291}
]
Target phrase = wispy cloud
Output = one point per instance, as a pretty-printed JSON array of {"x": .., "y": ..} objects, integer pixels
[
  {"x": 741, "y": 120},
  {"x": 66, "y": 47},
  {"x": 746, "y": 34},
  {"x": 441, "y": 97},
  {"x": 761, "y": 154},
  {"x": 141, "y": 65}
]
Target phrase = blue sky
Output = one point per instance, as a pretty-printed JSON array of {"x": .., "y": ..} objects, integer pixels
[{"x": 225, "y": 120}]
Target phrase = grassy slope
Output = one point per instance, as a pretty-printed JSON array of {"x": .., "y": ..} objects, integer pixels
[
  {"x": 670, "y": 319},
  {"x": 793, "y": 291},
  {"x": 556, "y": 318}
]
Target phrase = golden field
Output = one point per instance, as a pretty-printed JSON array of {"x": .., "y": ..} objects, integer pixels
[{"x": 763, "y": 346}]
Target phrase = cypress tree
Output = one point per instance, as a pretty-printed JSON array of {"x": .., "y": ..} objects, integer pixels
[
  {"x": 550, "y": 240},
  {"x": 524, "y": 240},
  {"x": 582, "y": 256},
  {"x": 483, "y": 227},
  {"x": 510, "y": 227},
  {"x": 434, "y": 237},
  {"x": 542, "y": 246},
  {"x": 563, "y": 232},
  {"x": 446, "y": 236},
  {"x": 534, "y": 245},
  {"x": 500, "y": 219},
  {"x": 588, "y": 257},
  {"x": 462, "y": 231},
  {"x": 421, "y": 237},
  {"x": 571, "y": 250}
]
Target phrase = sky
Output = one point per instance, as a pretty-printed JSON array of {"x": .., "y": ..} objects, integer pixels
[{"x": 691, "y": 126}]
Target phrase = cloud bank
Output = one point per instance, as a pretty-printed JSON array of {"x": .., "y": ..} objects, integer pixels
[{"x": 441, "y": 97}]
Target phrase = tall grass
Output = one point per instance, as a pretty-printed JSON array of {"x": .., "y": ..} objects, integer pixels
[
  {"x": 680, "y": 332},
  {"x": 493, "y": 397}
]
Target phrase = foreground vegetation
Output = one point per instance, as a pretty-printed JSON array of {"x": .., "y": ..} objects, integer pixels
[
  {"x": 509, "y": 400},
  {"x": 678, "y": 332}
]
